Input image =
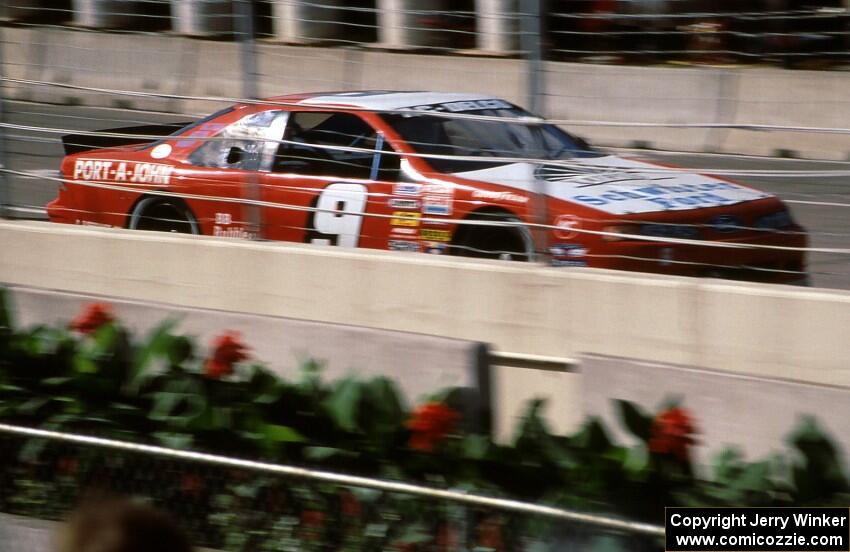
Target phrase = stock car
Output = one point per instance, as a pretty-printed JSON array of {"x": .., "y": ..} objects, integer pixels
[{"x": 441, "y": 173}]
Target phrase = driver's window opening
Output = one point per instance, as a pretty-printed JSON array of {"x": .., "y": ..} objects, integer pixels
[
  {"x": 302, "y": 151},
  {"x": 247, "y": 143}
]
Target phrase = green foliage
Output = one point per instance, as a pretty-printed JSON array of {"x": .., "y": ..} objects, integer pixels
[
  {"x": 155, "y": 390},
  {"x": 817, "y": 472},
  {"x": 635, "y": 419}
]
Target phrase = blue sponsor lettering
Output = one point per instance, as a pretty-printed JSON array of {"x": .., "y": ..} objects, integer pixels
[
  {"x": 688, "y": 200},
  {"x": 653, "y": 190},
  {"x": 715, "y": 199},
  {"x": 590, "y": 200},
  {"x": 663, "y": 203}
]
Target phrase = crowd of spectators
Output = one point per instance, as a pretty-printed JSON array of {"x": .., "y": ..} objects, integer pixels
[{"x": 794, "y": 33}]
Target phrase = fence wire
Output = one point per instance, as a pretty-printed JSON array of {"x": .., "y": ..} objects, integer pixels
[{"x": 76, "y": 68}]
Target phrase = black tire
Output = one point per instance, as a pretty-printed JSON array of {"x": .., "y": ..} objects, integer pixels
[
  {"x": 513, "y": 243},
  {"x": 163, "y": 215}
]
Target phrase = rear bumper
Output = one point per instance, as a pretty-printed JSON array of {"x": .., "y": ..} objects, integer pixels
[{"x": 57, "y": 212}]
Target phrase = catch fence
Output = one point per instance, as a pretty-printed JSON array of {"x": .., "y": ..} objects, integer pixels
[{"x": 79, "y": 67}]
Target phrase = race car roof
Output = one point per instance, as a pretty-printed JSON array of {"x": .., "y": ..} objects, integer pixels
[{"x": 387, "y": 100}]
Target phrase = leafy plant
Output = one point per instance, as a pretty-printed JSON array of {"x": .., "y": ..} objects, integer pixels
[{"x": 93, "y": 377}]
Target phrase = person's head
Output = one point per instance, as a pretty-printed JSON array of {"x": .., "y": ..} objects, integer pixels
[{"x": 119, "y": 525}]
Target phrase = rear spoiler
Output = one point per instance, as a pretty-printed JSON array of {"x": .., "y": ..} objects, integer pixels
[{"x": 75, "y": 143}]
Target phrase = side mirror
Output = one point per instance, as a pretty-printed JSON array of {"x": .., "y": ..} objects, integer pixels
[{"x": 235, "y": 155}]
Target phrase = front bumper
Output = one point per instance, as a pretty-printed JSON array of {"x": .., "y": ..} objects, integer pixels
[{"x": 758, "y": 257}]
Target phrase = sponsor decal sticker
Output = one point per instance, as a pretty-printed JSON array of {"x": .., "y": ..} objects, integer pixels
[
  {"x": 663, "y": 196},
  {"x": 468, "y": 105},
  {"x": 436, "y": 188},
  {"x": 435, "y": 248},
  {"x": 432, "y": 234},
  {"x": 499, "y": 196},
  {"x": 405, "y": 218},
  {"x": 122, "y": 171},
  {"x": 437, "y": 205},
  {"x": 400, "y": 203},
  {"x": 233, "y": 232},
  {"x": 403, "y": 245},
  {"x": 566, "y": 226},
  {"x": 437, "y": 199},
  {"x": 404, "y": 231},
  {"x": 406, "y": 188},
  {"x": 565, "y": 262},
  {"x": 568, "y": 250},
  {"x": 161, "y": 151}
]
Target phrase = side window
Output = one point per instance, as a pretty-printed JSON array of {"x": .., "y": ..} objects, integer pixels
[
  {"x": 302, "y": 150},
  {"x": 249, "y": 143}
]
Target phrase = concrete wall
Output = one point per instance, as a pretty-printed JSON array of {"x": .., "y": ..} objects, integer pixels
[
  {"x": 177, "y": 65},
  {"x": 774, "y": 331},
  {"x": 19, "y": 533},
  {"x": 754, "y": 413},
  {"x": 420, "y": 364}
]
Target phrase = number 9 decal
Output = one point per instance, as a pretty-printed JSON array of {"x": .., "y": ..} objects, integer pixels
[{"x": 339, "y": 215}]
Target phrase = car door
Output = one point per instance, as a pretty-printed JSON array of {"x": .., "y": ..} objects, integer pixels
[
  {"x": 329, "y": 182},
  {"x": 229, "y": 166}
]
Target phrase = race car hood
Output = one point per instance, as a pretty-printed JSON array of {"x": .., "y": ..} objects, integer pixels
[{"x": 618, "y": 185}]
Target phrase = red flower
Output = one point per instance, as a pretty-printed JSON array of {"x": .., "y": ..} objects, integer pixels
[
  {"x": 430, "y": 424},
  {"x": 490, "y": 534},
  {"x": 313, "y": 518},
  {"x": 67, "y": 466},
  {"x": 191, "y": 484},
  {"x": 312, "y": 522},
  {"x": 92, "y": 317},
  {"x": 227, "y": 349},
  {"x": 672, "y": 433},
  {"x": 447, "y": 538},
  {"x": 349, "y": 504}
]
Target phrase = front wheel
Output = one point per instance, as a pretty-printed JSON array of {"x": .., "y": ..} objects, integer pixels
[{"x": 505, "y": 242}]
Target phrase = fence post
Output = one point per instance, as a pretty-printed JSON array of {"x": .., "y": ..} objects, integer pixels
[
  {"x": 244, "y": 14},
  {"x": 248, "y": 54},
  {"x": 5, "y": 195},
  {"x": 530, "y": 43}
]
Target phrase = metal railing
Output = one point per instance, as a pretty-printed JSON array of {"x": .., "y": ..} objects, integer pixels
[{"x": 53, "y": 469}]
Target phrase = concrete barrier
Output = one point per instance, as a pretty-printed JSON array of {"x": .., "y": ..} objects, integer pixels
[
  {"x": 98, "y": 60},
  {"x": 756, "y": 414},
  {"x": 677, "y": 95},
  {"x": 773, "y": 331},
  {"x": 419, "y": 364},
  {"x": 23, "y": 533}
]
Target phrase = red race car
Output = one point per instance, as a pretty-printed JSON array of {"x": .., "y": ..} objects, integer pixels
[{"x": 444, "y": 173}]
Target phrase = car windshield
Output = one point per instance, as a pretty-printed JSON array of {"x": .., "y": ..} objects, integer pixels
[{"x": 482, "y": 139}]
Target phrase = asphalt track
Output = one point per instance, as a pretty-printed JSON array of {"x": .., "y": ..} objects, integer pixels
[{"x": 820, "y": 203}]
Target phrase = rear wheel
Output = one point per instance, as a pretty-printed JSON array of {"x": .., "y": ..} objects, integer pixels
[
  {"x": 512, "y": 243},
  {"x": 163, "y": 215}
]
